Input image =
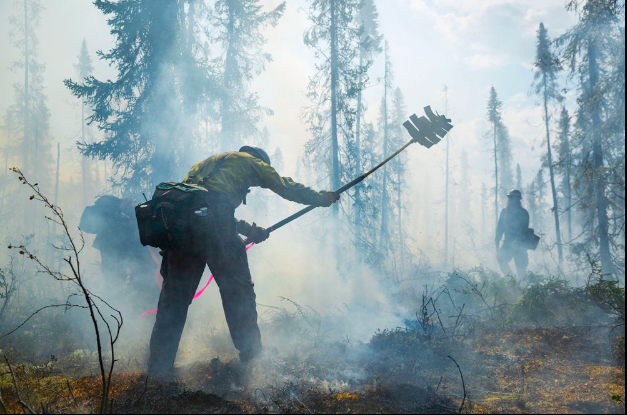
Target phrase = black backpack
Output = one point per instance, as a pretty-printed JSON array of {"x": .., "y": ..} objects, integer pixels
[{"x": 178, "y": 217}]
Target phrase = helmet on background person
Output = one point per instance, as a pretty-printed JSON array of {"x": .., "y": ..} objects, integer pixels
[
  {"x": 256, "y": 152},
  {"x": 515, "y": 193}
]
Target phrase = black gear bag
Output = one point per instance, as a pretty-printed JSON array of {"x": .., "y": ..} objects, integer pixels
[
  {"x": 178, "y": 217},
  {"x": 531, "y": 240}
]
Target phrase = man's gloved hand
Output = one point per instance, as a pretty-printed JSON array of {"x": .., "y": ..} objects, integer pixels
[
  {"x": 329, "y": 198},
  {"x": 257, "y": 234}
]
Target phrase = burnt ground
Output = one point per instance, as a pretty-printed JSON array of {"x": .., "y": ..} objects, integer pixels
[{"x": 542, "y": 370}]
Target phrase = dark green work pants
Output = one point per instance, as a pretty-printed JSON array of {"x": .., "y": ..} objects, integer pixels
[
  {"x": 513, "y": 250},
  {"x": 226, "y": 258}
]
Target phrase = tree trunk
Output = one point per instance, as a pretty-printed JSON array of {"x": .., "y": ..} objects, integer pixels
[
  {"x": 26, "y": 139},
  {"x": 358, "y": 155},
  {"x": 384, "y": 192},
  {"x": 446, "y": 201},
  {"x": 83, "y": 158},
  {"x": 56, "y": 196},
  {"x": 556, "y": 212},
  {"x": 335, "y": 173},
  {"x": 181, "y": 13},
  {"x": 597, "y": 155},
  {"x": 568, "y": 195},
  {"x": 190, "y": 26},
  {"x": 484, "y": 201},
  {"x": 226, "y": 137},
  {"x": 401, "y": 240},
  {"x": 496, "y": 180},
  {"x": 7, "y": 131}
]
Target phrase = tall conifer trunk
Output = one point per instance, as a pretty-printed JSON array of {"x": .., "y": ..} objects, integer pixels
[
  {"x": 556, "y": 213},
  {"x": 597, "y": 155},
  {"x": 384, "y": 190},
  {"x": 335, "y": 173}
]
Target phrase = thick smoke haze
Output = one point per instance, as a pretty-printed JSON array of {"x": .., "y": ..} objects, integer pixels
[
  {"x": 322, "y": 294},
  {"x": 469, "y": 51}
]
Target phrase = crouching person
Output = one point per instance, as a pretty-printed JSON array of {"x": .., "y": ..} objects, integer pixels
[{"x": 227, "y": 178}]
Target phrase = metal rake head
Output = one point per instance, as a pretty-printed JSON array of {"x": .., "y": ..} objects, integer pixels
[{"x": 429, "y": 130}]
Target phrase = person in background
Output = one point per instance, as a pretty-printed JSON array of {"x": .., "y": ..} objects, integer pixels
[
  {"x": 513, "y": 224},
  {"x": 124, "y": 262}
]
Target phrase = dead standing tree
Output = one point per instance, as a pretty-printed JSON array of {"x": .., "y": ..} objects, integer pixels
[{"x": 94, "y": 303}]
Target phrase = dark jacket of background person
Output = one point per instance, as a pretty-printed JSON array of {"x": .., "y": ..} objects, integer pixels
[
  {"x": 513, "y": 224},
  {"x": 123, "y": 258}
]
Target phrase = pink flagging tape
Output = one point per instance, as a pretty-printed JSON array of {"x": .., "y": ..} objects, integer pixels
[
  {"x": 158, "y": 277},
  {"x": 198, "y": 294}
]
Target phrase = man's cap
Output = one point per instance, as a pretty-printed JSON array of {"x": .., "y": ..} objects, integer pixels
[
  {"x": 515, "y": 193},
  {"x": 256, "y": 152}
]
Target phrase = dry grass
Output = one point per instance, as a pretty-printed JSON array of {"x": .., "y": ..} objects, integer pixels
[{"x": 550, "y": 371}]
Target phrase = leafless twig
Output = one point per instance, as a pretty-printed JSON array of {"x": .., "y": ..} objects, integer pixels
[
  {"x": 461, "y": 408},
  {"x": 33, "y": 314},
  {"x": 2, "y": 405},
  {"x": 73, "y": 250}
]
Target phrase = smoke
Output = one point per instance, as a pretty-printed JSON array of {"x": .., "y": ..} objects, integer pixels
[{"x": 319, "y": 302}]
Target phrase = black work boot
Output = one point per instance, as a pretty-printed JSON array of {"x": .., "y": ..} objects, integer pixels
[
  {"x": 247, "y": 356},
  {"x": 160, "y": 374}
]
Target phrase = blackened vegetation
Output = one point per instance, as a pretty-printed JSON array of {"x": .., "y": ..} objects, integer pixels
[
  {"x": 546, "y": 347},
  {"x": 519, "y": 348}
]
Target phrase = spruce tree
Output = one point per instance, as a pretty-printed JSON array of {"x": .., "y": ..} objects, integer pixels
[
  {"x": 501, "y": 151},
  {"x": 237, "y": 29},
  {"x": 531, "y": 199},
  {"x": 84, "y": 68},
  {"x": 447, "y": 185},
  {"x": 398, "y": 170},
  {"x": 539, "y": 195},
  {"x": 547, "y": 67},
  {"x": 519, "y": 179},
  {"x": 484, "y": 207},
  {"x": 278, "y": 160},
  {"x": 384, "y": 129},
  {"x": 369, "y": 46},
  {"x": 371, "y": 192},
  {"x": 28, "y": 117},
  {"x": 564, "y": 165},
  {"x": 506, "y": 157},
  {"x": 147, "y": 111},
  {"x": 335, "y": 39},
  {"x": 30, "y": 112},
  {"x": 494, "y": 118},
  {"x": 588, "y": 49}
]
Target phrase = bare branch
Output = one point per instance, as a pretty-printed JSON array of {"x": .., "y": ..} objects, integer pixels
[{"x": 23, "y": 404}]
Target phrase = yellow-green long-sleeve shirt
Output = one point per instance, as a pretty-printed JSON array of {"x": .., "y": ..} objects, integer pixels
[{"x": 242, "y": 171}]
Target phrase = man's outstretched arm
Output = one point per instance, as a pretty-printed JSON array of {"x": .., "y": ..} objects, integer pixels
[{"x": 287, "y": 188}]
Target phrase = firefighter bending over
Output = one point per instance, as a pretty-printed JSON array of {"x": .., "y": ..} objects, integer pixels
[
  {"x": 514, "y": 224},
  {"x": 227, "y": 177}
]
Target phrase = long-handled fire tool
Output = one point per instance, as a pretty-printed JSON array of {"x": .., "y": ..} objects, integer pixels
[{"x": 426, "y": 131}]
